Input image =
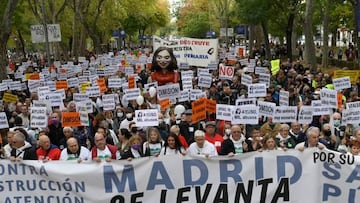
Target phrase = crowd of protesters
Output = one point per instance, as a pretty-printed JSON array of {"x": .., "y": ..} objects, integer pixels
[{"x": 113, "y": 134}]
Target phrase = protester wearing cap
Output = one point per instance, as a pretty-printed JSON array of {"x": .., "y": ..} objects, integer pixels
[
  {"x": 201, "y": 147},
  {"x": 187, "y": 128},
  {"x": 211, "y": 136}
]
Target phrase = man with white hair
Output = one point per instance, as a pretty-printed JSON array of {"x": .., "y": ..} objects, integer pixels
[
  {"x": 22, "y": 150},
  {"x": 312, "y": 135},
  {"x": 201, "y": 147}
]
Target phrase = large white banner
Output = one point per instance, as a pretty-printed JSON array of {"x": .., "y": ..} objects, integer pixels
[
  {"x": 311, "y": 176},
  {"x": 195, "y": 52},
  {"x": 38, "y": 33}
]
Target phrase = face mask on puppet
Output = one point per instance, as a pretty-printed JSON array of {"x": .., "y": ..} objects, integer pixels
[{"x": 163, "y": 59}]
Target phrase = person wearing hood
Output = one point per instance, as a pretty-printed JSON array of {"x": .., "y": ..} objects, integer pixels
[
  {"x": 283, "y": 138},
  {"x": 47, "y": 151},
  {"x": 21, "y": 150}
]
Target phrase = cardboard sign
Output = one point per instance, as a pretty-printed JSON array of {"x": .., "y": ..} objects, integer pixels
[
  {"x": 115, "y": 82},
  {"x": 329, "y": 98},
  {"x": 284, "y": 98},
  {"x": 246, "y": 79},
  {"x": 305, "y": 114},
  {"x": 265, "y": 79},
  {"x": 33, "y": 76},
  {"x": 226, "y": 72},
  {"x": 187, "y": 79},
  {"x": 38, "y": 117},
  {"x": 245, "y": 114},
  {"x": 132, "y": 94},
  {"x": 261, "y": 70},
  {"x": 198, "y": 110},
  {"x": 102, "y": 85},
  {"x": 184, "y": 96},
  {"x": 266, "y": 108},
  {"x": 131, "y": 82},
  {"x": 285, "y": 114},
  {"x": 33, "y": 85},
  {"x": 84, "y": 118},
  {"x": 3, "y": 121},
  {"x": 256, "y": 90},
  {"x": 93, "y": 91},
  {"x": 3, "y": 87},
  {"x": 83, "y": 87},
  {"x": 223, "y": 112},
  {"x": 146, "y": 117},
  {"x": 171, "y": 91},
  {"x": 319, "y": 109},
  {"x": 164, "y": 104},
  {"x": 210, "y": 106},
  {"x": 204, "y": 81},
  {"x": 70, "y": 119},
  {"x": 55, "y": 98},
  {"x": 8, "y": 97},
  {"x": 73, "y": 82},
  {"x": 108, "y": 102},
  {"x": 78, "y": 97},
  {"x": 86, "y": 104},
  {"x": 342, "y": 83},
  {"x": 15, "y": 85},
  {"x": 353, "y": 74},
  {"x": 61, "y": 85},
  {"x": 196, "y": 94},
  {"x": 245, "y": 101}
]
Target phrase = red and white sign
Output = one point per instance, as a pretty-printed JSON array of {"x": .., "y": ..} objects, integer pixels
[{"x": 226, "y": 72}]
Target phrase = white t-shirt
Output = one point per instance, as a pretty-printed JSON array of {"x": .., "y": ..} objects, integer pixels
[
  {"x": 169, "y": 151},
  {"x": 208, "y": 148},
  {"x": 154, "y": 148},
  {"x": 85, "y": 154}
]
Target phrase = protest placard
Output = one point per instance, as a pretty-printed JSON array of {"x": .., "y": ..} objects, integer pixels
[
  {"x": 131, "y": 82},
  {"x": 73, "y": 82},
  {"x": 61, "y": 84},
  {"x": 70, "y": 119},
  {"x": 285, "y": 114},
  {"x": 284, "y": 98},
  {"x": 205, "y": 81},
  {"x": 264, "y": 78},
  {"x": 146, "y": 117},
  {"x": 187, "y": 79},
  {"x": 168, "y": 91},
  {"x": 93, "y": 91},
  {"x": 132, "y": 94},
  {"x": 305, "y": 114},
  {"x": 226, "y": 72},
  {"x": 115, "y": 82},
  {"x": 266, "y": 108},
  {"x": 198, "y": 110},
  {"x": 245, "y": 114},
  {"x": 246, "y": 79},
  {"x": 108, "y": 102},
  {"x": 210, "y": 106},
  {"x": 342, "y": 83},
  {"x": 329, "y": 98},
  {"x": 3, "y": 121},
  {"x": 8, "y": 97},
  {"x": 223, "y": 112},
  {"x": 256, "y": 90},
  {"x": 245, "y": 101},
  {"x": 319, "y": 109},
  {"x": 38, "y": 117},
  {"x": 165, "y": 103},
  {"x": 184, "y": 96}
]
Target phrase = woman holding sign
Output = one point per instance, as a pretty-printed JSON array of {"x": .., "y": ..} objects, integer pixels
[{"x": 163, "y": 66}]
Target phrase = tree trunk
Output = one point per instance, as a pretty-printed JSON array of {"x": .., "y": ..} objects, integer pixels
[
  {"x": 289, "y": 30},
  {"x": 310, "y": 57},
  {"x": 251, "y": 39},
  {"x": 266, "y": 40},
  {"x": 325, "y": 58},
  {"x": 5, "y": 31}
]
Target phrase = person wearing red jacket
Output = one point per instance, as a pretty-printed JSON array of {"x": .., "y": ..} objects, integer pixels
[
  {"x": 46, "y": 150},
  {"x": 102, "y": 151},
  {"x": 211, "y": 136}
]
